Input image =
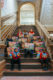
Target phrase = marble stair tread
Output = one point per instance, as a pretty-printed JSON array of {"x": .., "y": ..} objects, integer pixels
[
  {"x": 25, "y": 66},
  {"x": 27, "y": 70},
  {"x": 26, "y": 63}
]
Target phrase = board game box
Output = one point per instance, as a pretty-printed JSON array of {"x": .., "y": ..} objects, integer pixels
[{"x": 29, "y": 46}]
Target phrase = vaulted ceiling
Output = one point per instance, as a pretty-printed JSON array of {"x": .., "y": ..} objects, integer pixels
[{"x": 26, "y": 0}]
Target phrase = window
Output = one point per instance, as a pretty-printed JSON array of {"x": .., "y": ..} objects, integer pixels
[{"x": 27, "y": 15}]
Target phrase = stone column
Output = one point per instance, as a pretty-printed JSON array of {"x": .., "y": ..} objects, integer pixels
[
  {"x": 0, "y": 20},
  {"x": 0, "y": 34},
  {"x": 38, "y": 9},
  {"x": 2, "y": 45}
]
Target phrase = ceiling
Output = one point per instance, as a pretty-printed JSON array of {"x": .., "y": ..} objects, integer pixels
[{"x": 27, "y": 0}]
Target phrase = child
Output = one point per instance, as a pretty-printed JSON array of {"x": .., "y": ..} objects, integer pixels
[
  {"x": 39, "y": 40},
  {"x": 15, "y": 57},
  {"x": 9, "y": 39},
  {"x": 19, "y": 34},
  {"x": 27, "y": 50},
  {"x": 31, "y": 32},
  {"x": 25, "y": 33},
  {"x": 44, "y": 59}
]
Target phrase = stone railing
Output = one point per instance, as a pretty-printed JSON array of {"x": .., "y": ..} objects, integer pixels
[
  {"x": 43, "y": 32},
  {"x": 2, "y": 67},
  {"x": 8, "y": 25},
  {"x": 2, "y": 60},
  {"x": 49, "y": 28}
]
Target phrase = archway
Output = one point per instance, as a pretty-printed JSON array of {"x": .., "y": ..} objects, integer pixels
[{"x": 27, "y": 14}]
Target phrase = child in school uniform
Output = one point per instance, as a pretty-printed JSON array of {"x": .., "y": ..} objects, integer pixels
[
  {"x": 19, "y": 34},
  {"x": 44, "y": 60},
  {"x": 15, "y": 57},
  {"x": 31, "y": 33},
  {"x": 28, "y": 51},
  {"x": 25, "y": 33},
  {"x": 9, "y": 39}
]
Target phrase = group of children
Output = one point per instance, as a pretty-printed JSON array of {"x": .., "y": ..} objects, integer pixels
[
  {"x": 25, "y": 33},
  {"x": 31, "y": 44}
]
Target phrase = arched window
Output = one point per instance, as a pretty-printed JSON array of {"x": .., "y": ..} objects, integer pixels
[{"x": 27, "y": 14}]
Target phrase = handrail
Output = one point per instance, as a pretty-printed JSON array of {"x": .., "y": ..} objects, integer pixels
[
  {"x": 2, "y": 45},
  {"x": 2, "y": 67},
  {"x": 2, "y": 61},
  {"x": 43, "y": 29},
  {"x": 43, "y": 32}
]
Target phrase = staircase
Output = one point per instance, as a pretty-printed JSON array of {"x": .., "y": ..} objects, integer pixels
[
  {"x": 30, "y": 66},
  {"x": 27, "y": 28}
]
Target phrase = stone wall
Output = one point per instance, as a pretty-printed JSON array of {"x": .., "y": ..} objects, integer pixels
[
  {"x": 47, "y": 12},
  {"x": 8, "y": 26},
  {"x": 2, "y": 66},
  {"x": 37, "y": 3}
]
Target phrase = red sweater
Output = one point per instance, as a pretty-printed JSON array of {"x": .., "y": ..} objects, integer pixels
[
  {"x": 31, "y": 32},
  {"x": 19, "y": 33},
  {"x": 14, "y": 57},
  {"x": 41, "y": 56}
]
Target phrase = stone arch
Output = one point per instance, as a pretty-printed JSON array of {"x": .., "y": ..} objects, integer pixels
[{"x": 21, "y": 4}]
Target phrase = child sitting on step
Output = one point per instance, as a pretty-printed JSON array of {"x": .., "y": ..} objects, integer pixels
[
  {"x": 44, "y": 59},
  {"x": 27, "y": 50},
  {"x": 19, "y": 34},
  {"x": 15, "y": 57},
  {"x": 31, "y": 33},
  {"x": 25, "y": 33},
  {"x": 9, "y": 39}
]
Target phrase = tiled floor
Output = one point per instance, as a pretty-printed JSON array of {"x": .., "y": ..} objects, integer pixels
[{"x": 28, "y": 78}]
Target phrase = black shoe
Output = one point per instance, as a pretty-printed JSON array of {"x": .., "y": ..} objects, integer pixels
[{"x": 45, "y": 68}]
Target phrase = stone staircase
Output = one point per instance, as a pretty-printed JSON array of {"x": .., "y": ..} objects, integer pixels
[
  {"x": 27, "y": 28},
  {"x": 30, "y": 67}
]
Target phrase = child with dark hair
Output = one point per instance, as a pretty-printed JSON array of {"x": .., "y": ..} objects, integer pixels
[
  {"x": 19, "y": 34},
  {"x": 9, "y": 39},
  {"x": 28, "y": 50},
  {"x": 25, "y": 33},
  {"x": 31, "y": 32},
  {"x": 15, "y": 57},
  {"x": 44, "y": 59},
  {"x": 39, "y": 40}
]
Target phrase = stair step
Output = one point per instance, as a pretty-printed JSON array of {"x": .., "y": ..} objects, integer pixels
[
  {"x": 26, "y": 66},
  {"x": 22, "y": 55},
  {"x": 28, "y": 72},
  {"x": 26, "y": 60}
]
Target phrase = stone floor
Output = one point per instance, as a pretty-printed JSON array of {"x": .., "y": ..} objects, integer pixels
[{"x": 29, "y": 78}]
